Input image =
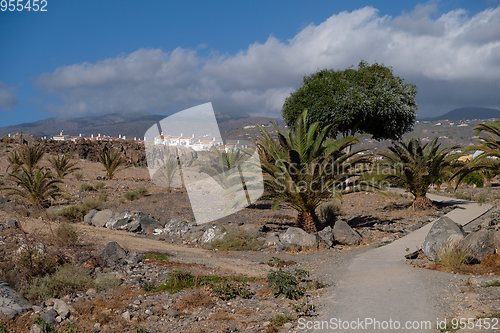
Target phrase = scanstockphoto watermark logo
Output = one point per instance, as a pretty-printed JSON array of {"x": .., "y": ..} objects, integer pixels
[{"x": 186, "y": 150}]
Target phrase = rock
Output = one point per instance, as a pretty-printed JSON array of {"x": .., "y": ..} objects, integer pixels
[
  {"x": 172, "y": 312},
  {"x": 12, "y": 223},
  {"x": 481, "y": 243},
  {"x": 126, "y": 315},
  {"x": 62, "y": 308},
  {"x": 297, "y": 236},
  {"x": 195, "y": 232},
  {"x": 443, "y": 231},
  {"x": 101, "y": 218},
  {"x": 252, "y": 231},
  {"x": 176, "y": 227},
  {"x": 414, "y": 254},
  {"x": 149, "y": 224},
  {"x": 50, "y": 317},
  {"x": 344, "y": 234},
  {"x": 326, "y": 236},
  {"x": 119, "y": 220},
  {"x": 496, "y": 241},
  {"x": 132, "y": 260},
  {"x": 12, "y": 304},
  {"x": 87, "y": 219},
  {"x": 112, "y": 254},
  {"x": 36, "y": 329},
  {"x": 215, "y": 232},
  {"x": 272, "y": 239}
]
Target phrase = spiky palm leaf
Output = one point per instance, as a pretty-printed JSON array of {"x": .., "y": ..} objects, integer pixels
[
  {"x": 415, "y": 167},
  {"x": 303, "y": 168},
  {"x": 30, "y": 155},
  {"x": 113, "y": 161},
  {"x": 36, "y": 186},
  {"x": 63, "y": 165},
  {"x": 165, "y": 174},
  {"x": 14, "y": 161},
  {"x": 222, "y": 167}
]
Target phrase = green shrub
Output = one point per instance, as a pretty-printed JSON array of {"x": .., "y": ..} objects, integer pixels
[
  {"x": 178, "y": 281},
  {"x": 155, "y": 256},
  {"x": 86, "y": 187},
  {"x": 474, "y": 178},
  {"x": 105, "y": 281},
  {"x": 65, "y": 235},
  {"x": 73, "y": 213},
  {"x": 66, "y": 280},
  {"x": 284, "y": 284},
  {"x": 236, "y": 241},
  {"x": 99, "y": 185},
  {"x": 463, "y": 196},
  {"x": 132, "y": 195},
  {"x": 140, "y": 330},
  {"x": 227, "y": 290},
  {"x": 493, "y": 284},
  {"x": 280, "y": 320},
  {"x": 78, "y": 176},
  {"x": 43, "y": 324},
  {"x": 92, "y": 203},
  {"x": 103, "y": 196},
  {"x": 142, "y": 190},
  {"x": 303, "y": 309}
]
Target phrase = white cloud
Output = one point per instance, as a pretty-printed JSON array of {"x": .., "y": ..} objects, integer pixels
[
  {"x": 8, "y": 100},
  {"x": 450, "y": 57}
]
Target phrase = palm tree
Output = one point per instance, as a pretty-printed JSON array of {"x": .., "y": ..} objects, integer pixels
[
  {"x": 222, "y": 165},
  {"x": 165, "y": 174},
  {"x": 63, "y": 166},
  {"x": 303, "y": 168},
  {"x": 415, "y": 167},
  {"x": 14, "y": 161},
  {"x": 36, "y": 186},
  {"x": 30, "y": 155},
  {"x": 113, "y": 161}
]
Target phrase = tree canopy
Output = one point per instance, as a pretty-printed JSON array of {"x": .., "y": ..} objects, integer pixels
[{"x": 369, "y": 99}]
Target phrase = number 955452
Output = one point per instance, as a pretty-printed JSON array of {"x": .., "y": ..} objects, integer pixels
[{"x": 20, "y": 5}]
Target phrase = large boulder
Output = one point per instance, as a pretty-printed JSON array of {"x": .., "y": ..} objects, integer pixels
[
  {"x": 298, "y": 237},
  {"x": 87, "y": 219},
  {"x": 149, "y": 224},
  {"x": 344, "y": 234},
  {"x": 176, "y": 227},
  {"x": 213, "y": 233},
  {"x": 326, "y": 236},
  {"x": 444, "y": 231},
  {"x": 119, "y": 220},
  {"x": 112, "y": 254},
  {"x": 481, "y": 243},
  {"x": 12, "y": 304},
  {"x": 101, "y": 218}
]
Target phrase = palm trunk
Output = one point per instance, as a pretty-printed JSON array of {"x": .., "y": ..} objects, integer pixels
[
  {"x": 308, "y": 221},
  {"x": 421, "y": 203}
]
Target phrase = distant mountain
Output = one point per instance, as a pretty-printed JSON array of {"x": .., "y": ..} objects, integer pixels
[
  {"x": 467, "y": 113},
  {"x": 129, "y": 125}
]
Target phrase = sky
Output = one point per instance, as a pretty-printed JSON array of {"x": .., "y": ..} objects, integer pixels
[{"x": 89, "y": 57}]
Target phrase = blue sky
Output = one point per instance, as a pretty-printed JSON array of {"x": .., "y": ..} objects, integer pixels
[{"x": 92, "y": 57}]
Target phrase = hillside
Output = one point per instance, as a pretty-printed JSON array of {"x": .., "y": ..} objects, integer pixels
[
  {"x": 130, "y": 125},
  {"x": 467, "y": 113}
]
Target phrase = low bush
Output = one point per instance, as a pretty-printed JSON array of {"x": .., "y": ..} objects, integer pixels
[
  {"x": 66, "y": 280},
  {"x": 92, "y": 203},
  {"x": 78, "y": 176},
  {"x": 142, "y": 190},
  {"x": 236, "y": 241},
  {"x": 474, "y": 178},
  {"x": 99, "y": 185},
  {"x": 178, "y": 281},
  {"x": 454, "y": 255},
  {"x": 192, "y": 300},
  {"x": 155, "y": 256},
  {"x": 227, "y": 290},
  {"x": 36, "y": 262},
  {"x": 73, "y": 213},
  {"x": 65, "y": 235},
  {"x": 329, "y": 210},
  {"x": 280, "y": 320},
  {"x": 105, "y": 281},
  {"x": 132, "y": 195},
  {"x": 86, "y": 187},
  {"x": 103, "y": 196},
  {"x": 284, "y": 284}
]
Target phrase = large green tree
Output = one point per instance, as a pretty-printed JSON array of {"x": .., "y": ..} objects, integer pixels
[{"x": 369, "y": 99}]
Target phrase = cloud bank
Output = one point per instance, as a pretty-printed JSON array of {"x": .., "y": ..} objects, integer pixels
[
  {"x": 454, "y": 59},
  {"x": 8, "y": 100}
]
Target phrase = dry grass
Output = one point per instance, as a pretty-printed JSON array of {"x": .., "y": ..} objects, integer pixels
[
  {"x": 454, "y": 255},
  {"x": 221, "y": 315},
  {"x": 199, "y": 297}
]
